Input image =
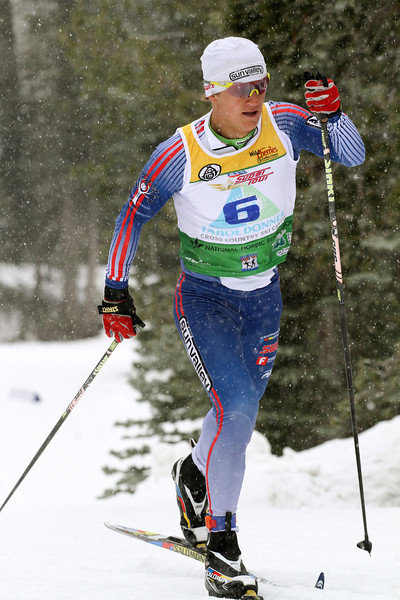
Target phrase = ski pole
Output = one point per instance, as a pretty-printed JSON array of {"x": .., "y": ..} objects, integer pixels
[
  {"x": 365, "y": 544},
  {"x": 61, "y": 420}
]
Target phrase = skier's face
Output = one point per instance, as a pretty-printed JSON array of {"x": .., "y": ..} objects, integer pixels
[{"x": 234, "y": 117}]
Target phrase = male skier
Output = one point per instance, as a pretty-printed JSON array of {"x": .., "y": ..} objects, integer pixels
[{"x": 231, "y": 174}]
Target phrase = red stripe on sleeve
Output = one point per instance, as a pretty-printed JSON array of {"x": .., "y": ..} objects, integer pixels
[
  {"x": 117, "y": 273},
  {"x": 291, "y": 108}
]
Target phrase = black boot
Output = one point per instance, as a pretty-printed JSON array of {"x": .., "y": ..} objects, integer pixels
[
  {"x": 226, "y": 576},
  {"x": 191, "y": 496}
]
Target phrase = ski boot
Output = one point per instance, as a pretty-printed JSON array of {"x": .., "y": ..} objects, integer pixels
[
  {"x": 191, "y": 496},
  {"x": 225, "y": 575}
]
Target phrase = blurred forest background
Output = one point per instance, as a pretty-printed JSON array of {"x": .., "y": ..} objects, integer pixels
[{"x": 88, "y": 88}]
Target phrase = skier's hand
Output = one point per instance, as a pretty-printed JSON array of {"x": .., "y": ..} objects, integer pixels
[
  {"x": 119, "y": 314},
  {"x": 322, "y": 95}
]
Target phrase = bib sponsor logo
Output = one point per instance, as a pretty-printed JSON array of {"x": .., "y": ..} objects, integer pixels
[
  {"x": 269, "y": 336},
  {"x": 270, "y": 346},
  {"x": 281, "y": 246},
  {"x": 265, "y": 154},
  {"x": 143, "y": 189},
  {"x": 144, "y": 186},
  {"x": 225, "y": 187},
  {"x": 244, "y": 234},
  {"x": 109, "y": 309},
  {"x": 249, "y": 262},
  {"x": 244, "y": 178},
  {"x": 196, "y": 244},
  {"x": 194, "y": 354},
  {"x": 241, "y": 73},
  {"x": 266, "y": 374},
  {"x": 313, "y": 122},
  {"x": 209, "y": 172},
  {"x": 254, "y": 177}
]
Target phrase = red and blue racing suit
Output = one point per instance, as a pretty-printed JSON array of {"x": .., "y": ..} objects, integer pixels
[{"x": 230, "y": 334}]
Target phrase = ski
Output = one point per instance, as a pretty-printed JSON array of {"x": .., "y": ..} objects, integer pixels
[{"x": 182, "y": 546}]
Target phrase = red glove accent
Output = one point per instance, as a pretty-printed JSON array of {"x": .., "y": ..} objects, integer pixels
[
  {"x": 119, "y": 314},
  {"x": 119, "y": 326},
  {"x": 322, "y": 98}
]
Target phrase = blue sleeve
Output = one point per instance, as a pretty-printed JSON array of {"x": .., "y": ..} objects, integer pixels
[
  {"x": 160, "y": 178},
  {"x": 304, "y": 132}
]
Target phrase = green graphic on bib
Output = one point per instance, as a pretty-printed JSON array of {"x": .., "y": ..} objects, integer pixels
[{"x": 236, "y": 258}]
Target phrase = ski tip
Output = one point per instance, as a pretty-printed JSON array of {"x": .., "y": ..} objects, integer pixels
[
  {"x": 111, "y": 525},
  {"x": 320, "y": 582}
]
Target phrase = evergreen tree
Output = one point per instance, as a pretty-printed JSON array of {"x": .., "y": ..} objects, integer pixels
[
  {"x": 101, "y": 84},
  {"x": 50, "y": 214},
  {"x": 10, "y": 146},
  {"x": 155, "y": 77},
  {"x": 358, "y": 47},
  {"x": 10, "y": 118},
  {"x": 306, "y": 401}
]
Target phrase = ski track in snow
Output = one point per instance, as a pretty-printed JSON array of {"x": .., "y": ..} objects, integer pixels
[{"x": 298, "y": 514}]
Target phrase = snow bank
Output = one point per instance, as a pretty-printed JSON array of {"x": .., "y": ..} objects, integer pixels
[
  {"x": 327, "y": 474},
  {"x": 53, "y": 372},
  {"x": 299, "y": 514}
]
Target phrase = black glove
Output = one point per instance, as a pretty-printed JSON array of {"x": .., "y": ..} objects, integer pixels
[
  {"x": 322, "y": 95},
  {"x": 119, "y": 314}
]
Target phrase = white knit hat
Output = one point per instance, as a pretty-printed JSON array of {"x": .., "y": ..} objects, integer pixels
[{"x": 231, "y": 59}]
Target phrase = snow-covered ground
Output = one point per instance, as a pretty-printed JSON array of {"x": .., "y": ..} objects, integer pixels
[{"x": 298, "y": 514}]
